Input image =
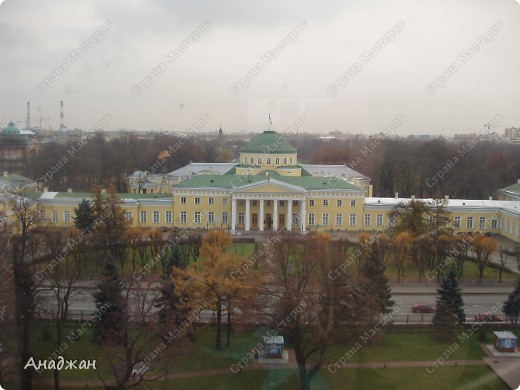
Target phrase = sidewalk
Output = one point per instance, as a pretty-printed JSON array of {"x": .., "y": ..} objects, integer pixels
[{"x": 422, "y": 289}]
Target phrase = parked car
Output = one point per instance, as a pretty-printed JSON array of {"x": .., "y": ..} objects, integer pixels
[
  {"x": 491, "y": 234},
  {"x": 487, "y": 317},
  {"x": 420, "y": 307},
  {"x": 509, "y": 251}
]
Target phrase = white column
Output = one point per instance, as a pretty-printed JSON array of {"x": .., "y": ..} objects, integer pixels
[
  {"x": 303, "y": 214},
  {"x": 261, "y": 216},
  {"x": 233, "y": 214},
  {"x": 248, "y": 216},
  {"x": 275, "y": 215},
  {"x": 288, "y": 224}
]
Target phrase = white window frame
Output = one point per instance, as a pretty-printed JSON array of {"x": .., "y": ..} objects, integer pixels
[
  {"x": 142, "y": 216},
  {"x": 156, "y": 216},
  {"x": 168, "y": 217},
  {"x": 183, "y": 217}
]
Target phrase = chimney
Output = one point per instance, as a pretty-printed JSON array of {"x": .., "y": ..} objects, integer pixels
[
  {"x": 490, "y": 197},
  {"x": 69, "y": 190},
  {"x": 446, "y": 197},
  {"x": 397, "y": 195},
  {"x": 518, "y": 181},
  {"x": 45, "y": 189},
  {"x": 413, "y": 197},
  {"x": 5, "y": 173}
]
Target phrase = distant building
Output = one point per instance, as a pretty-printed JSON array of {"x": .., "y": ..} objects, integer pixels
[
  {"x": 16, "y": 183},
  {"x": 13, "y": 150},
  {"x": 512, "y": 133},
  {"x": 511, "y": 192}
]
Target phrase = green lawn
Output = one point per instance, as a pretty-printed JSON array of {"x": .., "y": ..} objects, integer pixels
[
  {"x": 480, "y": 377},
  {"x": 408, "y": 346},
  {"x": 200, "y": 355}
]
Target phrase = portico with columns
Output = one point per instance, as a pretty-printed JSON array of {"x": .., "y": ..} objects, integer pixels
[{"x": 268, "y": 205}]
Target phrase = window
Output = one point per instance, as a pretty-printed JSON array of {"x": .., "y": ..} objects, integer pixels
[
  {"x": 494, "y": 223},
  {"x": 367, "y": 219},
  {"x": 183, "y": 200},
  {"x": 339, "y": 219},
  {"x": 277, "y": 160},
  {"x": 259, "y": 160},
  {"x": 211, "y": 217},
  {"x": 469, "y": 223},
  {"x": 184, "y": 217},
  {"x": 352, "y": 203},
  {"x": 241, "y": 218},
  {"x": 143, "y": 217},
  {"x": 268, "y": 161},
  {"x": 379, "y": 219},
  {"x": 325, "y": 219},
  {"x": 155, "y": 216},
  {"x": 285, "y": 161},
  {"x": 197, "y": 200},
  {"x": 339, "y": 203},
  {"x": 457, "y": 222},
  {"x": 482, "y": 222},
  {"x": 352, "y": 220},
  {"x": 290, "y": 161},
  {"x": 311, "y": 219},
  {"x": 311, "y": 202},
  {"x": 268, "y": 203},
  {"x": 241, "y": 202},
  {"x": 54, "y": 216},
  {"x": 168, "y": 217},
  {"x": 224, "y": 217},
  {"x": 211, "y": 200},
  {"x": 196, "y": 217},
  {"x": 295, "y": 203},
  {"x": 325, "y": 202},
  {"x": 255, "y": 203},
  {"x": 129, "y": 216},
  {"x": 66, "y": 216},
  {"x": 282, "y": 203},
  {"x": 224, "y": 200},
  {"x": 251, "y": 160},
  {"x": 43, "y": 216}
]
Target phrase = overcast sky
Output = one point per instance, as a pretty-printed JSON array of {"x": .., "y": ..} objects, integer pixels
[{"x": 133, "y": 65}]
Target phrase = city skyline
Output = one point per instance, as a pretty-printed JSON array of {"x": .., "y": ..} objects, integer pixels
[{"x": 447, "y": 68}]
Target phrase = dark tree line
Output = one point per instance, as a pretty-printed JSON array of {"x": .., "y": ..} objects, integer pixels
[
  {"x": 411, "y": 166},
  {"x": 81, "y": 165}
]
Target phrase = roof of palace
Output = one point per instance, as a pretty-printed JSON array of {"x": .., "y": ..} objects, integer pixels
[
  {"x": 268, "y": 142},
  {"x": 513, "y": 189},
  {"x": 233, "y": 181},
  {"x": 203, "y": 168}
]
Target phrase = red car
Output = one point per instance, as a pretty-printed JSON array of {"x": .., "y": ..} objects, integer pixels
[
  {"x": 487, "y": 317},
  {"x": 420, "y": 307}
]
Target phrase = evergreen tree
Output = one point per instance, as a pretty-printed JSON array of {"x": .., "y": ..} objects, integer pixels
[
  {"x": 449, "y": 312},
  {"x": 512, "y": 304},
  {"x": 373, "y": 269},
  {"x": 110, "y": 305},
  {"x": 177, "y": 259},
  {"x": 83, "y": 217}
]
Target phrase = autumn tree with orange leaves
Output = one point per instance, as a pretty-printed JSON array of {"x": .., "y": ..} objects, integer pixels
[
  {"x": 212, "y": 282},
  {"x": 483, "y": 247}
]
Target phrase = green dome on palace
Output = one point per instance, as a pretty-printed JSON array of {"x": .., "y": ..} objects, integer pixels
[
  {"x": 11, "y": 130},
  {"x": 268, "y": 142}
]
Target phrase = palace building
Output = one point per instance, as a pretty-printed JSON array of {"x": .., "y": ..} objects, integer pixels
[{"x": 269, "y": 189}]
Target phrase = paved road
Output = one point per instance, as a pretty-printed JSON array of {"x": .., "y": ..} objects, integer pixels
[{"x": 476, "y": 299}]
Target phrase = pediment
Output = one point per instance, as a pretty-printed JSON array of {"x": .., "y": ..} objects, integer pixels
[{"x": 269, "y": 187}]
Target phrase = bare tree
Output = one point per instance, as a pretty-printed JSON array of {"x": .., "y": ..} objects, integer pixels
[{"x": 310, "y": 309}]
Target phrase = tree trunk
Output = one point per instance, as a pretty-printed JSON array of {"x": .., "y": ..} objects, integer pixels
[
  {"x": 228, "y": 335},
  {"x": 218, "y": 344}
]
